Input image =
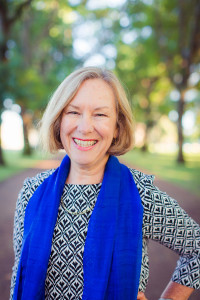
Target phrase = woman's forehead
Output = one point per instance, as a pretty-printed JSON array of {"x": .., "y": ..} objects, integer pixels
[{"x": 94, "y": 92}]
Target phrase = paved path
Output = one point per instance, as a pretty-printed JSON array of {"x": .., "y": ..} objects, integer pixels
[{"x": 161, "y": 266}]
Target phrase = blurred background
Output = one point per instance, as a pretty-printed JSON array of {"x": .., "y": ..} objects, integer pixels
[{"x": 152, "y": 46}]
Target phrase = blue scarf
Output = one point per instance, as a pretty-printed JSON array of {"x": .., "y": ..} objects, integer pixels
[{"x": 113, "y": 246}]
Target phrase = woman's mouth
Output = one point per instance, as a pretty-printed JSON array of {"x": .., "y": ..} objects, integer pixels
[{"x": 84, "y": 143}]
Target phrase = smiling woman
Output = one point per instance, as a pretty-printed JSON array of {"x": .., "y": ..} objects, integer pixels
[
  {"x": 81, "y": 231},
  {"x": 88, "y": 128},
  {"x": 68, "y": 92}
]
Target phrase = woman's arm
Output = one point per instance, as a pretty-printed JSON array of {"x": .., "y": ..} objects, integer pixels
[
  {"x": 167, "y": 223},
  {"x": 28, "y": 189},
  {"x": 18, "y": 233},
  {"x": 176, "y": 291}
]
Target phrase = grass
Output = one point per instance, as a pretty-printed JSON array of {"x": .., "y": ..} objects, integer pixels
[
  {"x": 166, "y": 167},
  {"x": 16, "y": 162}
]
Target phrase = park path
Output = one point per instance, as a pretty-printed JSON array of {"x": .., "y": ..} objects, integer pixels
[{"x": 161, "y": 266}]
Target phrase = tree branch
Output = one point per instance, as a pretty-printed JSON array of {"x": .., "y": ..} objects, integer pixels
[
  {"x": 19, "y": 11},
  {"x": 182, "y": 23},
  {"x": 195, "y": 35}
]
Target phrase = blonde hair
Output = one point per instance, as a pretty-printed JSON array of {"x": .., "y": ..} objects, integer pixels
[{"x": 50, "y": 123}]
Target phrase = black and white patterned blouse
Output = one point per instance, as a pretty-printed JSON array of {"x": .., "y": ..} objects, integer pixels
[{"x": 163, "y": 221}]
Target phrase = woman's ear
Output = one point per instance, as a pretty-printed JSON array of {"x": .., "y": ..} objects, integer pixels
[{"x": 116, "y": 133}]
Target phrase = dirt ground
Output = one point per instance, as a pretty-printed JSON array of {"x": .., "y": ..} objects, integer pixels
[{"x": 161, "y": 265}]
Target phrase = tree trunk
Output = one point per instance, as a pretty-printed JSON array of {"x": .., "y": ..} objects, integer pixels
[
  {"x": 181, "y": 104},
  {"x": 146, "y": 134},
  {"x": 27, "y": 147},
  {"x": 26, "y": 125}
]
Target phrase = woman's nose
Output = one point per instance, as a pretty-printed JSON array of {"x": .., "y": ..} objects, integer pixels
[{"x": 85, "y": 124}]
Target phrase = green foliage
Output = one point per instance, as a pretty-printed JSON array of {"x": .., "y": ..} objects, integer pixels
[
  {"x": 152, "y": 44},
  {"x": 40, "y": 54}
]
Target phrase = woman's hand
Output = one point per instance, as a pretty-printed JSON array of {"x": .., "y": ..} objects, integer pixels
[{"x": 141, "y": 296}]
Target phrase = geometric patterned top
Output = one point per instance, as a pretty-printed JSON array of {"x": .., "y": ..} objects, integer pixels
[{"x": 164, "y": 221}]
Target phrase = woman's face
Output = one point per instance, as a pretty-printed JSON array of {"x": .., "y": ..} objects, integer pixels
[{"x": 88, "y": 124}]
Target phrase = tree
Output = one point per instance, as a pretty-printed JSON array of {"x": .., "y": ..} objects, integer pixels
[
  {"x": 163, "y": 33},
  {"x": 138, "y": 64},
  {"x": 10, "y": 13},
  {"x": 40, "y": 57},
  {"x": 177, "y": 28}
]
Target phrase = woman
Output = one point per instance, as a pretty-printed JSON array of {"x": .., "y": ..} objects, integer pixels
[{"x": 81, "y": 230}]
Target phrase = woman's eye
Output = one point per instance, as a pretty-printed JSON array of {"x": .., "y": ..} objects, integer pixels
[
  {"x": 72, "y": 112},
  {"x": 101, "y": 115}
]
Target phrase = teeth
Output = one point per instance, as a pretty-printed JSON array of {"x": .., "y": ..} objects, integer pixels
[{"x": 84, "y": 143}]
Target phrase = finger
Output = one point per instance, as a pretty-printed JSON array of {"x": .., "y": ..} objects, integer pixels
[{"x": 141, "y": 296}]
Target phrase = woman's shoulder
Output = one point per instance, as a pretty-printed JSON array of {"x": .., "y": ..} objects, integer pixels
[
  {"x": 29, "y": 187},
  {"x": 39, "y": 178},
  {"x": 32, "y": 183},
  {"x": 140, "y": 177}
]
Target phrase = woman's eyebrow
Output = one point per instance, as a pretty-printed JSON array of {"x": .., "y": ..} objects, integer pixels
[
  {"x": 101, "y": 107},
  {"x": 73, "y": 106},
  {"x": 95, "y": 109}
]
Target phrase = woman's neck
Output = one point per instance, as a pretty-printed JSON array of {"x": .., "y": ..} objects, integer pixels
[{"x": 82, "y": 175}]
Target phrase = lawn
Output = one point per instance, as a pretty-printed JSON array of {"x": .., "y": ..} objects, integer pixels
[
  {"x": 16, "y": 161},
  {"x": 166, "y": 167}
]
